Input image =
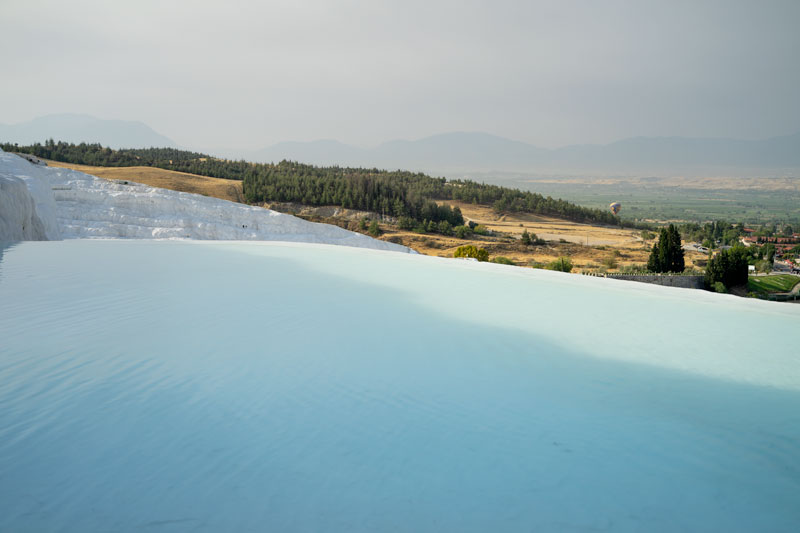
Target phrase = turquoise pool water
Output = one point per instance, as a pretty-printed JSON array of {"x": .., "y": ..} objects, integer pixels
[{"x": 184, "y": 386}]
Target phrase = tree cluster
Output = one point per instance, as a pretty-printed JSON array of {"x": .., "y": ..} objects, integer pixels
[
  {"x": 667, "y": 253},
  {"x": 728, "y": 267},
  {"x": 529, "y": 239},
  {"x": 97, "y": 155},
  {"x": 710, "y": 233}
]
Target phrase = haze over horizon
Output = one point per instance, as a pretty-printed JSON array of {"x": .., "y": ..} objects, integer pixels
[{"x": 247, "y": 76}]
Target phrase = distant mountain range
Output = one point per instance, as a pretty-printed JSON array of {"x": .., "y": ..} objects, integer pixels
[
  {"x": 454, "y": 153},
  {"x": 77, "y": 128},
  {"x": 462, "y": 153}
]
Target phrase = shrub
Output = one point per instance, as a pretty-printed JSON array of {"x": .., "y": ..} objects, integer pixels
[
  {"x": 471, "y": 251},
  {"x": 502, "y": 260},
  {"x": 610, "y": 262},
  {"x": 530, "y": 238},
  {"x": 562, "y": 264},
  {"x": 374, "y": 229},
  {"x": 764, "y": 266},
  {"x": 462, "y": 232}
]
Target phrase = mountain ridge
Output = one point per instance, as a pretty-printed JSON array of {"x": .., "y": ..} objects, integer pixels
[
  {"x": 78, "y": 127},
  {"x": 460, "y": 153},
  {"x": 480, "y": 151}
]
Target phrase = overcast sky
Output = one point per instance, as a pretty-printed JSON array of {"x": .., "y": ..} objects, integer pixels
[{"x": 248, "y": 74}]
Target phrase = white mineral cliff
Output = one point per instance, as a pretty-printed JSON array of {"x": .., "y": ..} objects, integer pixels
[{"x": 47, "y": 203}]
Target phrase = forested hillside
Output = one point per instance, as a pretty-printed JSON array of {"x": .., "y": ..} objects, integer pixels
[
  {"x": 393, "y": 193},
  {"x": 97, "y": 155}
]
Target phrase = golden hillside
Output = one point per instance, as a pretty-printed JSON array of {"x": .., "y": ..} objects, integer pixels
[{"x": 166, "y": 179}]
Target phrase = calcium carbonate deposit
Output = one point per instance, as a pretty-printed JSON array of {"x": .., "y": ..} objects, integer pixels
[
  {"x": 191, "y": 386},
  {"x": 46, "y": 203}
]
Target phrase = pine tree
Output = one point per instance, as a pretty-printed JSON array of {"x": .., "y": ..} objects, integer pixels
[
  {"x": 652, "y": 261},
  {"x": 676, "y": 258},
  {"x": 374, "y": 229},
  {"x": 458, "y": 218},
  {"x": 728, "y": 267},
  {"x": 667, "y": 253}
]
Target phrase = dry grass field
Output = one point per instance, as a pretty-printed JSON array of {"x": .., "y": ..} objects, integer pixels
[
  {"x": 607, "y": 246},
  {"x": 550, "y": 229},
  {"x": 589, "y": 247},
  {"x": 166, "y": 179}
]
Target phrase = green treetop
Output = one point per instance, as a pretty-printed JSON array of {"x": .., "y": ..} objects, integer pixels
[{"x": 667, "y": 253}]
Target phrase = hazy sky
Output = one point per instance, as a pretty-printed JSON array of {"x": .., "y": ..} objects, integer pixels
[{"x": 247, "y": 74}]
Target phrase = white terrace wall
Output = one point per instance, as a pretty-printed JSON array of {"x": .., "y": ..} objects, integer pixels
[{"x": 686, "y": 282}]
